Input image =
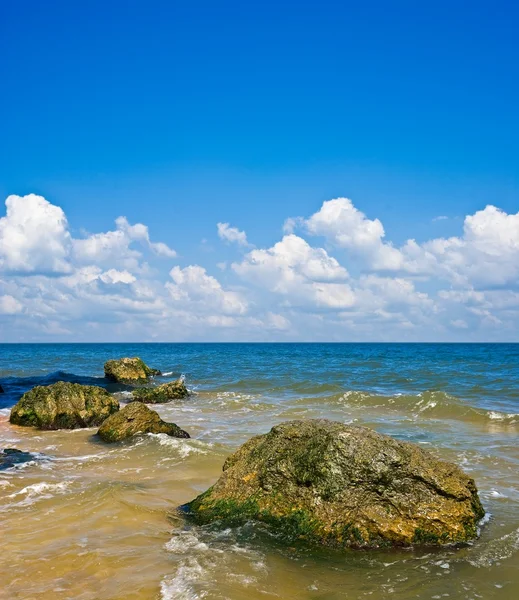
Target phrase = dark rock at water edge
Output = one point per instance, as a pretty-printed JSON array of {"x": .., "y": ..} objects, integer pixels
[
  {"x": 339, "y": 485},
  {"x": 63, "y": 405},
  {"x": 9, "y": 457},
  {"x": 163, "y": 393},
  {"x": 129, "y": 370},
  {"x": 134, "y": 419}
]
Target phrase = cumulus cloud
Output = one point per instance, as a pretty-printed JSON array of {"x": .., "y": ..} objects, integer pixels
[
  {"x": 486, "y": 255},
  {"x": 332, "y": 275},
  {"x": 193, "y": 286},
  {"x": 304, "y": 275},
  {"x": 341, "y": 223},
  {"x": 231, "y": 234},
  {"x": 34, "y": 236},
  {"x": 117, "y": 246}
]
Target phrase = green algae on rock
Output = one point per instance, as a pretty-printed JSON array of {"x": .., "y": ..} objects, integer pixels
[
  {"x": 136, "y": 418},
  {"x": 63, "y": 405},
  {"x": 129, "y": 370},
  {"x": 162, "y": 393},
  {"x": 340, "y": 485}
]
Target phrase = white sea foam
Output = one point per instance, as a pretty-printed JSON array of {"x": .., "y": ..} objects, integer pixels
[
  {"x": 204, "y": 559},
  {"x": 496, "y": 494},
  {"x": 84, "y": 458},
  {"x": 496, "y": 550},
  {"x": 185, "y": 541},
  {"x": 181, "y": 586},
  {"x": 184, "y": 447},
  {"x": 38, "y": 491},
  {"x": 499, "y": 416}
]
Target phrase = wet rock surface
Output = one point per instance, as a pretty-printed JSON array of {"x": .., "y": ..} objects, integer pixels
[
  {"x": 134, "y": 419},
  {"x": 63, "y": 405},
  {"x": 340, "y": 485},
  {"x": 129, "y": 370},
  {"x": 9, "y": 457},
  {"x": 163, "y": 393}
]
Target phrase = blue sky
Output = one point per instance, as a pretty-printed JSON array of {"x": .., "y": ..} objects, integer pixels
[{"x": 180, "y": 116}]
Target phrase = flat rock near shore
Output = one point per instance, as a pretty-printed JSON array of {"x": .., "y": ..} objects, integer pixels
[
  {"x": 134, "y": 419},
  {"x": 341, "y": 485}
]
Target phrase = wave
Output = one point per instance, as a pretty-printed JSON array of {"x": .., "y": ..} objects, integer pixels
[
  {"x": 205, "y": 560},
  {"x": 495, "y": 551},
  {"x": 36, "y": 492},
  {"x": 428, "y": 405},
  {"x": 15, "y": 387}
]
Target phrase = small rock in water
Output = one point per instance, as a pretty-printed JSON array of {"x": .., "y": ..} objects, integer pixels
[
  {"x": 1, "y": 390},
  {"x": 63, "y": 405},
  {"x": 162, "y": 393},
  {"x": 12, "y": 456},
  {"x": 341, "y": 485},
  {"x": 136, "y": 418},
  {"x": 129, "y": 370}
]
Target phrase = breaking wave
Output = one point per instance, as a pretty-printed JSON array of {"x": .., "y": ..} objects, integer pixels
[{"x": 428, "y": 405}]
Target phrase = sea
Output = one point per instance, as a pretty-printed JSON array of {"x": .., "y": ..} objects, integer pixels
[{"x": 84, "y": 520}]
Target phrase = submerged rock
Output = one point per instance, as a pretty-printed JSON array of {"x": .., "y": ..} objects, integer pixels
[
  {"x": 341, "y": 485},
  {"x": 129, "y": 370},
  {"x": 136, "y": 418},
  {"x": 162, "y": 393},
  {"x": 1, "y": 389},
  {"x": 12, "y": 456},
  {"x": 63, "y": 405}
]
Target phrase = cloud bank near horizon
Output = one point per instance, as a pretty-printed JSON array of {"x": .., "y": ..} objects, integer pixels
[{"x": 332, "y": 275}]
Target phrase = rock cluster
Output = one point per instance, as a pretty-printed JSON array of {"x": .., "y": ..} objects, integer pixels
[
  {"x": 341, "y": 485},
  {"x": 133, "y": 419}
]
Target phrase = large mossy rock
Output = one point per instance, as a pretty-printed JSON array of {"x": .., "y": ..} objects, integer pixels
[
  {"x": 341, "y": 485},
  {"x": 162, "y": 393},
  {"x": 64, "y": 405},
  {"x": 129, "y": 370},
  {"x": 136, "y": 418}
]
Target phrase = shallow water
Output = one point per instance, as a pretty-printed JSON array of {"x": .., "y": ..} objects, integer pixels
[{"x": 86, "y": 521}]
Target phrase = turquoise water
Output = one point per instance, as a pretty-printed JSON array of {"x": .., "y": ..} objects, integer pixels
[{"x": 461, "y": 401}]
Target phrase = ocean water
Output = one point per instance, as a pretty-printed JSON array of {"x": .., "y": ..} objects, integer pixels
[{"x": 84, "y": 520}]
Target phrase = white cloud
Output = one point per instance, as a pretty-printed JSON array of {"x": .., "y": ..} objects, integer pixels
[
  {"x": 347, "y": 227},
  {"x": 232, "y": 234},
  {"x": 193, "y": 286},
  {"x": 486, "y": 255},
  {"x": 9, "y": 305},
  {"x": 34, "y": 236},
  {"x": 304, "y": 275},
  {"x": 113, "y": 285},
  {"x": 459, "y": 324},
  {"x": 116, "y": 246}
]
